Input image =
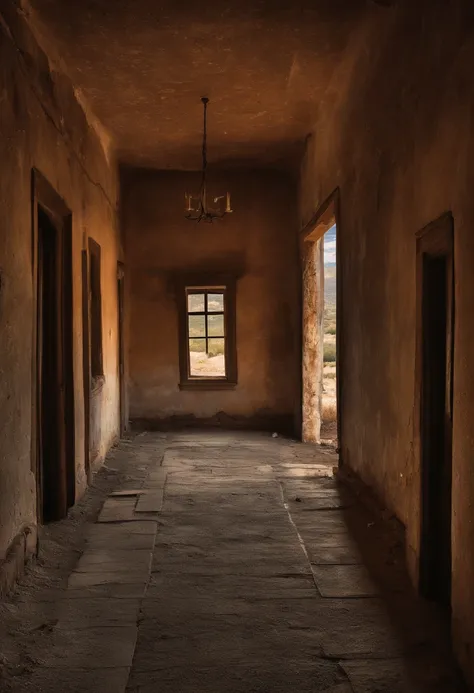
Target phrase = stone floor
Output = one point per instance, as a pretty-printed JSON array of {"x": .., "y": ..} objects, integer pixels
[{"x": 234, "y": 562}]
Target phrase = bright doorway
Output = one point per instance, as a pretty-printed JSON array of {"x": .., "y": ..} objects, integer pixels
[
  {"x": 320, "y": 367},
  {"x": 329, "y": 393}
]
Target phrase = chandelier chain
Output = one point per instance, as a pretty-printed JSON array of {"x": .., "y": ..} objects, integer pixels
[
  {"x": 204, "y": 137},
  {"x": 202, "y": 212}
]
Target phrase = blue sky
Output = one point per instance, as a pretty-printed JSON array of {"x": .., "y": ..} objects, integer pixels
[{"x": 330, "y": 246}]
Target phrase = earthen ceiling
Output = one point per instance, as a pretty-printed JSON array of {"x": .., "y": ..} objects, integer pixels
[{"x": 142, "y": 66}]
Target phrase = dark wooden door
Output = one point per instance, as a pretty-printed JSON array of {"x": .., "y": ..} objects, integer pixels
[
  {"x": 86, "y": 361},
  {"x": 52, "y": 471},
  {"x": 435, "y": 338}
]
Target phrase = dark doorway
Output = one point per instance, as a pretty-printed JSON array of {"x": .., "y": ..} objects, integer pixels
[
  {"x": 55, "y": 398},
  {"x": 435, "y": 266},
  {"x": 96, "y": 371},
  {"x": 86, "y": 361},
  {"x": 53, "y": 418},
  {"x": 121, "y": 346}
]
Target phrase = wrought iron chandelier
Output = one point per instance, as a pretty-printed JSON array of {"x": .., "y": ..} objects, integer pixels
[{"x": 197, "y": 208}]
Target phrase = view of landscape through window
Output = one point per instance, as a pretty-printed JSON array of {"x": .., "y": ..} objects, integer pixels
[
  {"x": 206, "y": 333},
  {"x": 329, "y": 406}
]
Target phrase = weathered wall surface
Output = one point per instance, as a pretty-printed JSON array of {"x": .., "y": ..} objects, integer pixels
[
  {"x": 396, "y": 135},
  {"x": 312, "y": 339},
  {"x": 258, "y": 242},
  {"x": 43, "y": 126}
]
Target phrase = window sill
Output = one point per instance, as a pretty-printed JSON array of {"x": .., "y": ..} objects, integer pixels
[{"x": 207, "y": 385}]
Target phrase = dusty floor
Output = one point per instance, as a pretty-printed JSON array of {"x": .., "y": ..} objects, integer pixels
[{"x": 221, "y": 562}]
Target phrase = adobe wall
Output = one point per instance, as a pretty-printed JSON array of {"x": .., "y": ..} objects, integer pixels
[
  {"x": 258, "y": 242},
  {"x": 396, "y": 135},
  {"x": 42, "y": 126}
]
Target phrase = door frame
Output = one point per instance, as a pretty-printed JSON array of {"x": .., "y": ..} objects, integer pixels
[
  {"x": 44, "y": 195},
  {"x": 437, "y": 240},
  {"x": 86, "y": 376},
  {"x": 121, "y": 347},
  {"x": 328, "y": 213}
]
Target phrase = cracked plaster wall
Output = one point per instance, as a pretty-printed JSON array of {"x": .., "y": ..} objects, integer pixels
[
  {"x": 43, "y": 126},
  {"x": 397, "y": 137}
]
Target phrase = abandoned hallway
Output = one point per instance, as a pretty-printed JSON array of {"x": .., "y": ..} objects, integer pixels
[
  {"x": 218, "y": 562},
  {"x": 236, "y": 374}
]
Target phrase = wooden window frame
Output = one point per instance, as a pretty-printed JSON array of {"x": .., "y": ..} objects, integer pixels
[{"x": 202, "y": 284}]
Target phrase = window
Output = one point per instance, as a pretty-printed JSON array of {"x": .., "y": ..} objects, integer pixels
[
  {"x": 95, "y": 311},
  {"x": 207, "y": 349}
]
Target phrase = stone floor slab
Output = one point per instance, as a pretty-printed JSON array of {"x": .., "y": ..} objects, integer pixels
[
  {"x": 110, "y": 590},
  {"x": 156, "y": 478},
  {"x": 411, "y": 675},
  {"x": 335, "y": 555},
  {"x": 123, "y": 529},
  {"x": 363, "y": 640},
  {"x": 238, "y": 586},
  {"x": 232, "y": 647},
  {"x": 323, "y": 521},
  {"x": 80, "y": 680},
  {"x": 119, "y": 509},
  {"x": 379, "y": 676},
  {"x": 121, "y": 541},
  {"x": 96, "y": 613},
  {"x": 94, "y": 648},
  {"x": 103, "y": 557},
  {"x": 275, "y": 678},
  {"x": 318, "y": 540},
  {"x": 150, "y": 502},
  {"x": 344, "y": 581},
  {"x": 321, "y": 504},
  {"x": 132, "y": 565},
  {"x": 93, "y": 578}
]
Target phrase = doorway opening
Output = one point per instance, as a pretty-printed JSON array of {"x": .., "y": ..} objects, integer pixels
[
  {"x": 329, "y": 395},
  {"x": 95, "y": 348},
  {"x": 434, "y": 386},
  {"x": 54, "y": 448},
  {"x": 86, "y": 361},
  {"x": 321, "y": 334}
]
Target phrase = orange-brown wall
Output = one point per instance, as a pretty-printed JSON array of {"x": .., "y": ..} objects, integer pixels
[
  {"x": 259, "y": 242},
  {"x": 397, "y": 137},
  {"x": 42, "y": 126}
]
